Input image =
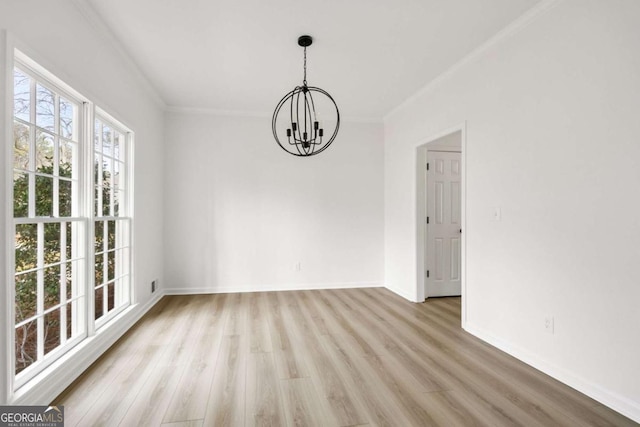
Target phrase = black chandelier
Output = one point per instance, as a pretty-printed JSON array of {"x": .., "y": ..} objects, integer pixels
[{"x": 305, "y": 130}]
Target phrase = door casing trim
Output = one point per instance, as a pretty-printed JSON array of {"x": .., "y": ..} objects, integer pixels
[{"x": 420, "y": 151}]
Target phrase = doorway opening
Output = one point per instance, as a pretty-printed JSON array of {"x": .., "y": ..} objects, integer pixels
[{"x": 440, "y": 216}]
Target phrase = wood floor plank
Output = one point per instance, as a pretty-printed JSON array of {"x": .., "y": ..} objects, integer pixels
[
  {"x": 149, "y": 406},
  {"x": 612, "y": 418},
  {"x": 345, "y": 406},
  {"x": 264, "y": 401},
  {"x": 457, "y": 408},
  {"x": 190, "y": 423},
  {"x": 374, "y": 395},
  {"x": 384, "y": 405},
  {"x": 190, "y": 399},
  {"x": 226, "y": 403},
  {"x": 260, "y": 338},
  {"x": 289, "y": 362},
  {"x": 304, "y": 405},
  {"x": 371, "y": 328},
  {"x": 237, "y": 311},
  {"x": 320, "y": 357}
]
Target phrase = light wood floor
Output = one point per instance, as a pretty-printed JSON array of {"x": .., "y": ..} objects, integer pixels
[{"x": 324, "y": 358}]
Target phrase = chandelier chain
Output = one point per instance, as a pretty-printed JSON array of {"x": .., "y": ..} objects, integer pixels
[{"x": 304, "y": 81}]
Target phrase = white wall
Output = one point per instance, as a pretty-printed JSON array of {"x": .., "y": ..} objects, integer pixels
[
  {"x": 241, "y": 213},
  {"x": 60, "y": 38},
  {"x": 553, "y": 138}
]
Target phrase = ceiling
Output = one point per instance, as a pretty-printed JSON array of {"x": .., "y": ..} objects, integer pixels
[{"x": 242, "y": 55}]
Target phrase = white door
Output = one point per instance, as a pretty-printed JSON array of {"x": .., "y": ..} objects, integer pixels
[{"x": 443, "y": 225}]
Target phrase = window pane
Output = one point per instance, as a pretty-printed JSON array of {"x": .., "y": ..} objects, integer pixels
[
  {"x": 99, "y": 236},
  {"x": 106, "y": 200},
  {"x": 44, "y": 196},
  {"x": 67, "y": 157},
  {"x": 21, "y": 95},
  {"x": 111, "y": 265},
  {"x": 107, "y": 141},
  {"x": 67, "y": 114},
  {"x": 110, "y": 296},
  {"x": 118, "y": 142},
  {"x": 44, "y": 152},
  {"x": 51, "y": 330},
  {"x": 111, "y": 235},
  {"x": 26, "y": 345},
  {"x": 107, "y": 165},
  {"x": 45, "y": 111},
  {"x": 51, "y": 286},
  {"x": 96, "y": 201},
  {"x": 26, "y": 295},
  {"x": 96, "y": 136},
  {"x": 51, "y": 243},
  {"x": 99, "y": 267},
  {"x": 65, "y": 197},
  {"x": 117, "y": 195},
  {"x": 97, "y": 169},
  {"x": 20, "y": 146},
  {"x": 70, "y": 319},
  {"x": 69, "y": 231},
  {"x": 20, "y": 195},
  {"x": 99, "y": 295},
  {"x": 74, "y": 283},
  {"x": 69, "y": 284},
  {"x": 26, "y": 247},
  {"x": 116, "y": 175}
]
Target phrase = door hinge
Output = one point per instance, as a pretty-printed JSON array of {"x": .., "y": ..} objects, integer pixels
[
  {"x": 427, "y": 220},
  {"x": 427, "y": 166},
  {"x": 427, "y": 274}
]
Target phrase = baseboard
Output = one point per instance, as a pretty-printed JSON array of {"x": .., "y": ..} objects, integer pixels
[
  {"x": 57, "y": 377},
  {"x": 269, "y": 288},
  {"x": 408, "y": 297},
  {"x": 613, "y": 400}
]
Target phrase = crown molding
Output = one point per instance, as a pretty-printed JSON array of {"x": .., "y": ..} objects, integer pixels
[
  {"x": 510, "y": 30},
  {"x": 94, "y": 19},
  {"x": 216, "y": 112},
  {"x": 253, "y": 114}
]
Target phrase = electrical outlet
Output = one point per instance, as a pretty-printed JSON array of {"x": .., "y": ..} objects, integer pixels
[
  {"x": 153, "y": 286},
  {"x": 548, "y": 324}
]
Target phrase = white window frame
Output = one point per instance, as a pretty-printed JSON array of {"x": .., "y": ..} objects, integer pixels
[
  {"x": 87, "y": 111},
  {"x": 124, "y": 235}
]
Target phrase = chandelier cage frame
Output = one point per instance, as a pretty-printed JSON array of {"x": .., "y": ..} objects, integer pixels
[{"x": 304, "y": 127}]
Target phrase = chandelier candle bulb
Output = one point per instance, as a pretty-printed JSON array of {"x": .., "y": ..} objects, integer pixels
[{"x": 301, "y": 109}]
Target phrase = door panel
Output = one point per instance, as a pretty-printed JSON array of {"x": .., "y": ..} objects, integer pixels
[{"x": 443, "y": 255}]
